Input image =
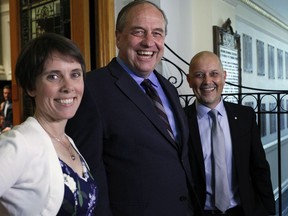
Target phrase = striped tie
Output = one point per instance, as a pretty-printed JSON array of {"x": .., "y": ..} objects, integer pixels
[{"x": 152, "y": 93}]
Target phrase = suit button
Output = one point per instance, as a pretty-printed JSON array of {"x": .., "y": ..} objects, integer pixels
[{"x": 183, "y": 198}]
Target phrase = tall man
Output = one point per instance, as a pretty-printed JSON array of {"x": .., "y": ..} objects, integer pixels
[
  {"x": 249, "y": 188},
  {"x": 144, "y": 142}
]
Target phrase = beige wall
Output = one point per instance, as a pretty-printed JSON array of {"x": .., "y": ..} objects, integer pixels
[{"x": 5, "y": 58}]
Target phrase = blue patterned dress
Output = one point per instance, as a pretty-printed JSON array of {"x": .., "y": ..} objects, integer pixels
[{"x": 80, "y": 192}]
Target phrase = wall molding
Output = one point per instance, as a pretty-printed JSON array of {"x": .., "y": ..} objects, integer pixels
[{"x": 265, "y": 13}]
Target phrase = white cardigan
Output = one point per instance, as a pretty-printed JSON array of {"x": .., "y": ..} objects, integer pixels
[{"x": 31, "y": 179}]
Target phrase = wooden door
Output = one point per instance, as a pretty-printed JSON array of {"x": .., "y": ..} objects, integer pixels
[{"x": 87, "y": 17}]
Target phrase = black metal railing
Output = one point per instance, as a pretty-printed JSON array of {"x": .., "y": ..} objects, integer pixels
[{"x": 257, "y": 98}]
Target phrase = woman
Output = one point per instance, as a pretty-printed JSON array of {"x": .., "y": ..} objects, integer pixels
[{"x": 41, "y": 170}]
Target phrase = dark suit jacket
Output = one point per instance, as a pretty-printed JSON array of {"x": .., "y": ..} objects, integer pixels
[
  {"x": 146, "y": 170},
  {"x": 9, "y": 114},
  {"x": 252, "y": 168}
]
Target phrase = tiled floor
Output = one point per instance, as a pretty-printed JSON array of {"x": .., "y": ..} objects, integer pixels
[{"x": 284, "y": 204}]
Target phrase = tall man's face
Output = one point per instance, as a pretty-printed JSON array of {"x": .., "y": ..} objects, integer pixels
[{"x": 141, "y": 42}]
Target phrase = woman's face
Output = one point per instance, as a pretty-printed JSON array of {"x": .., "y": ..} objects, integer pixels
[{"x": 59, "y": 88}]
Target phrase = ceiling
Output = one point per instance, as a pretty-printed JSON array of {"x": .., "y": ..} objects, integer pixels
[{"x": 278, "y": 8}]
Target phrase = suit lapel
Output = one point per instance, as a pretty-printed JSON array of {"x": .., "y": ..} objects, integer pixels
[
  {"x": 133, "y": 91},
  {"x": 234, "y": 128},
  {"x": 195, "y": 138}
]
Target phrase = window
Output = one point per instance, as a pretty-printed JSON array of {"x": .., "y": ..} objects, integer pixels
[{"x": 39, "y": 16}]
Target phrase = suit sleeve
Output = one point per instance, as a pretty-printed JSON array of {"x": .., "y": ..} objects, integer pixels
[
  {"x": 260, "y": 169},
  {"x": 85, "y": 129}
]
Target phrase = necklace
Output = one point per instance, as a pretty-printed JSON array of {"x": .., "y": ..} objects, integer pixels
[{"x": 67, "y": 148}]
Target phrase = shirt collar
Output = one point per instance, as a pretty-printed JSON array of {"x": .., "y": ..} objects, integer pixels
[
  {"x": 203, "y": 110},
  {"x": 152, "y": 77}
]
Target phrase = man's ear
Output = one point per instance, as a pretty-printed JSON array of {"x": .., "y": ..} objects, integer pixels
[
  {"x": 117, "y": 36},
  {"x": 225, "y": 74},
  {"x": 188, "y": 78}
]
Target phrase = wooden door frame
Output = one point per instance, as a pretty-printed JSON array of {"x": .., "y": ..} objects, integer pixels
[
  {"x": 105, "y": 39},
  {"x": 15, "y": 40},
  {"x": 105, "y": 32}
]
